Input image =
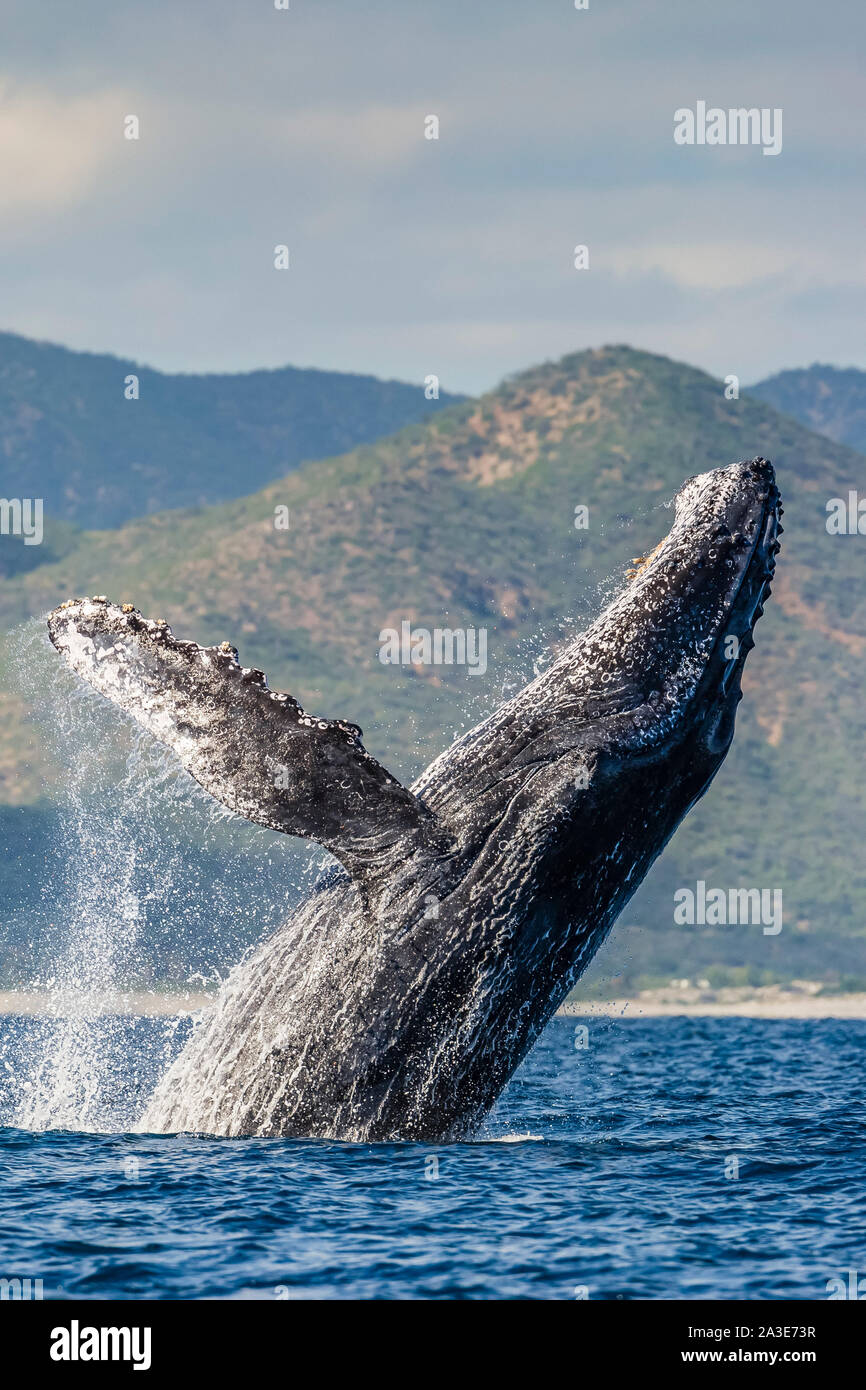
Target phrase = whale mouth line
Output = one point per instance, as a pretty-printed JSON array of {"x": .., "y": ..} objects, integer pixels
[{"x": 765, "y": 549}]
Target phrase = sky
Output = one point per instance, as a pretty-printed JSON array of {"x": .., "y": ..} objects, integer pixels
[{"x": 409, "y": 256}]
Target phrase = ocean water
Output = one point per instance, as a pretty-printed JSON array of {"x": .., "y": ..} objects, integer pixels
[{"x": 663, "y": 1158}]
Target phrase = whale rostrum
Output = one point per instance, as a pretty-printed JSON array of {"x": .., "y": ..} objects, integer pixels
[{"x": 401, "y": 995}]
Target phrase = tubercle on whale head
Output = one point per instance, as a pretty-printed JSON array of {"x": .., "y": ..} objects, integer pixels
[
  {"x": 669, "y": 650},
  {"x": 725, "y": 542},
  {"x": 657, "y": 671}
]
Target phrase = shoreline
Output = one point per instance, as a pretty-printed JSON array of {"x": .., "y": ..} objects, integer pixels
[
  {"x": 801, "y": 1001},
  {"x": 135, "y": 1004}
]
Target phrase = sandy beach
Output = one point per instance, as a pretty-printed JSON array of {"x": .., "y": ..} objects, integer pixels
[
  {"x": 801, "y": 999},
  {"x": 141, "y": 1004}
]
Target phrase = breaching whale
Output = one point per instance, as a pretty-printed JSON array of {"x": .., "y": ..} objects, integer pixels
[{"x": 399, "y": 998}]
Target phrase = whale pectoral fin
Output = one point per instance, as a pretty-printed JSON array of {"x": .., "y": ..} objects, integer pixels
[{"x": 253, "y": 749}]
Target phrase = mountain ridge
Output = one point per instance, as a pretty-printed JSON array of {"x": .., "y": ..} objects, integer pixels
[
  {"x": 98, "y": 459},
  {"x": 468, "y": 519},
  {"x": 830, "y": 400}
]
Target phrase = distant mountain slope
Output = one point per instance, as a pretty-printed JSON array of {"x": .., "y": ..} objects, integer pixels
[
  {"x": 831, "y": 400},
  {"x": 468, "y": 519},
  {"x": 69, "y": 435}
]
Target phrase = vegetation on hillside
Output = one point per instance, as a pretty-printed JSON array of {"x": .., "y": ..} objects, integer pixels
[
  {"x": 831, "y": 400},
  {"x": 467, "y": 519},
  {"x": 70, "y": 435}
]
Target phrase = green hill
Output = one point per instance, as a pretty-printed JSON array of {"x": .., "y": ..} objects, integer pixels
[
  {"x": 831, "y": 400},
  {"x": 69, "y": 435},
  {"x": 468, "y": 519}
]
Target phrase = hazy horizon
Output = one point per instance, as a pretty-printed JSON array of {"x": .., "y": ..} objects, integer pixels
[{"x": 359, "y": 371}]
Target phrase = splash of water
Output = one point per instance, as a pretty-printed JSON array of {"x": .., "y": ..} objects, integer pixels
[{"x": 125, "y": 902}]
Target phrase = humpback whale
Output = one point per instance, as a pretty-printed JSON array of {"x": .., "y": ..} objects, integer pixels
[{"x": 399, "y": 998}]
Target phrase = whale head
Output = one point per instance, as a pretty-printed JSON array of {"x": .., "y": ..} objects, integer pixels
[
  {"x": 657, "y": 677},
  {"x": 672, "y": 647}
]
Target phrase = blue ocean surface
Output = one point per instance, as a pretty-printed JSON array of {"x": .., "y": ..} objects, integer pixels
[{"x": 665, "y": 1158}]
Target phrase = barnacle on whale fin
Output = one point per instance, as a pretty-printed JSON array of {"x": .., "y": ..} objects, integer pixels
[{"x": 219, "y": 717}]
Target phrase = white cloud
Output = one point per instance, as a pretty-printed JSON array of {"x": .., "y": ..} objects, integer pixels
[
  {"x": 307, "y": 127},
  {"x": 353, "y": 139},
  {"x": 54, "y": 150}
]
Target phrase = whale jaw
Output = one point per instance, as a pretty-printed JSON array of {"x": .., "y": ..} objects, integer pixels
[{"x": 399, "y": 999}]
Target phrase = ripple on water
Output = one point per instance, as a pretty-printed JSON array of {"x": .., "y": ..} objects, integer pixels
[{"x": 610, "y": 1168}]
